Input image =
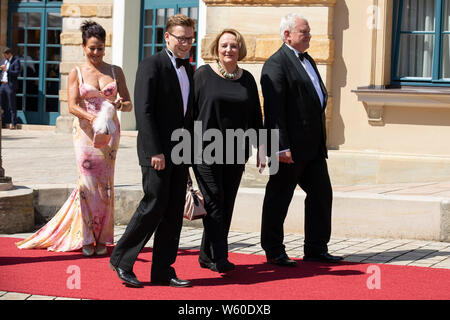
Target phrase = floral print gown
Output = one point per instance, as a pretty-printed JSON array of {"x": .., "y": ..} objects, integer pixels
[{"x": 87, "y": 217}]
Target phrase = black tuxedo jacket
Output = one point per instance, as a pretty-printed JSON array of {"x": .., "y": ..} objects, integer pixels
[
  {"x": 13, "y": 72},
  {"x": 292, "y": 106},
  {"x": 159, "y": 106}
]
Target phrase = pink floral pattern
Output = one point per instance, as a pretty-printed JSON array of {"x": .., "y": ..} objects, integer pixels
[{"x": 87, "y": 216}]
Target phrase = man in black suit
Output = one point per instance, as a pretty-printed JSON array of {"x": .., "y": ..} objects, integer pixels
[
  {"x": 294, "y": 103},
  {"x": 9, "y": 71},
  {"x": 163, "y": 103}
]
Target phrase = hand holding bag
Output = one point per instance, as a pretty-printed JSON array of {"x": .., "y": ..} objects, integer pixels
[
  {"x": 104, "y": 125},
  {"x": 194, "y": 205}
]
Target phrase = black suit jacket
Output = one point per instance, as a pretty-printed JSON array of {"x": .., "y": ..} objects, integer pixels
[
  {"x": 292, "y": 106},
  {"x": 159, "y": 106},
  {"x": 13, "y": 72}
]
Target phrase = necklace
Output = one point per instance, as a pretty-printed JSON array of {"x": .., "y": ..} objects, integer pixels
[{"x": 226, "y": 74}]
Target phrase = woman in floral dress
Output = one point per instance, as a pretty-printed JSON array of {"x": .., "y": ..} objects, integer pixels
[{"x": 86, "y": 220}]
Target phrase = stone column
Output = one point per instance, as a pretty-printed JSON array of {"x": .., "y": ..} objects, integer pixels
[
  {"x": 126, "y": 50},
  {"x": 74, "y": 12}
]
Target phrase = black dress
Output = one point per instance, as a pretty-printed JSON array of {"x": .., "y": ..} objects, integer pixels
[{"x": 222, "y": 104}]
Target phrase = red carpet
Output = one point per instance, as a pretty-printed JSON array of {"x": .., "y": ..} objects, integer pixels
[{"x": 55, "y": 274}]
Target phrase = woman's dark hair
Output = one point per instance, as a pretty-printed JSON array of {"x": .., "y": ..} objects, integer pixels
[{"x": 90, "y": 29}]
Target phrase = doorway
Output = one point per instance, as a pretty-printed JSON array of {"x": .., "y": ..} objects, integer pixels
[{"x": 34, "y": 29}]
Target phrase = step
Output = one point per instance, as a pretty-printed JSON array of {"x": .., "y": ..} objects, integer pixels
[{"x": 355, "y": 214}]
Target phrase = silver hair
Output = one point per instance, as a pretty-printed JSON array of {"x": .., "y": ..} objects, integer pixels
[{"x": 288, "y": 23}]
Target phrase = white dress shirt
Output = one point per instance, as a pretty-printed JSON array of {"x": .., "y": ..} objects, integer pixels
[
  {"x": 311, "y": 73},
  {"x": 5, "y": 73},
  {"x": 182, "y": 78}
]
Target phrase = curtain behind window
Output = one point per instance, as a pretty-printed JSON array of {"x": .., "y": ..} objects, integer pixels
[
  {"x": 446, "y": 42},
  {"x": 416, "y": 49}
]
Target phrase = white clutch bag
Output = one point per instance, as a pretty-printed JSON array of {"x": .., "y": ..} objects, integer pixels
[{"x": 104, "y": 125}]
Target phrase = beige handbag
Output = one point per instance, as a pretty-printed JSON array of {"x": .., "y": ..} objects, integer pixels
[{"x": 194, "y": 205}]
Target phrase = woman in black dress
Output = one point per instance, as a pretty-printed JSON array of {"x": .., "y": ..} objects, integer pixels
[{"x": 226, "y": 98}]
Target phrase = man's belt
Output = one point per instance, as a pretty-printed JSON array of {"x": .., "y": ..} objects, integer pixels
[{"x": 4, "y": 82}]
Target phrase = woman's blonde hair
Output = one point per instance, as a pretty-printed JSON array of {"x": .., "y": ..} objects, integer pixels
[{"x": 214, "y": 48}]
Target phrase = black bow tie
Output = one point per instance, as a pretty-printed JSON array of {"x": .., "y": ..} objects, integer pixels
[
  {"x": 182, "y": 62},
  {"x": 302, "y": 55}
]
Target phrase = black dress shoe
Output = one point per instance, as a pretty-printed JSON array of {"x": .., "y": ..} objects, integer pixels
[
  {"x": 173, "y": 282},
  {"x": 205, "y": 264},
  {"x": 282, "y": 260},
  {"x": 221, "y": 266},
  {"x": 128, "y": 277},
  {"x": 323, "y": 257}
]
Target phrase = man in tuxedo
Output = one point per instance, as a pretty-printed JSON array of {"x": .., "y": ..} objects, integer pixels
[
  {"x": 295, "y": 99},
  {"x": 9, "y": 71},
  {"x": 163, "y": 103}
]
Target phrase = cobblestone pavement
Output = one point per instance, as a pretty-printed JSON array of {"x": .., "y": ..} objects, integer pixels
[{"x": 378, "y": 251}]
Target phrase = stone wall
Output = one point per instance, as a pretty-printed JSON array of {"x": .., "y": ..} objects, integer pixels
[
  {"x": 247, "y": 16},
  {"x": 74, "y": 12},
  {"x": 16, "y": 210}
]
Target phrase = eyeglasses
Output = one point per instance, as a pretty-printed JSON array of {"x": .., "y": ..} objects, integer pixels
[{"x": 183, "y": 39}]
